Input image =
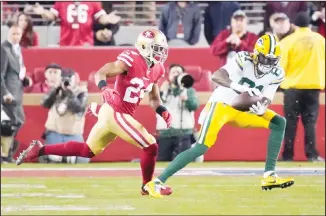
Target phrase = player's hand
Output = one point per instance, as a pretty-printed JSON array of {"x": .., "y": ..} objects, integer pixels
[
  {"x": 167, "y": 118},
  {"x": 253, "y": 92},
  {"x": 260, "y": 108},
  {"x": 107, "y": 93},
  {"x": 8, "y": 98}
]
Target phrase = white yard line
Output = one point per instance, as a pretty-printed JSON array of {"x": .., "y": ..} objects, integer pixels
[
  {"x": 18, "y": 195},
  {"x": 22, "y": 186},
  {"x": 160, "y": 169},
  {"x": 248, "y": 185},
  {"x": 5, "y": 209}
]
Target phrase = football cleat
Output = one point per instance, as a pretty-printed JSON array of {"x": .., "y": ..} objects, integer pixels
[
  {"x": 165, "y": 191},
  {"x": 156, "y": 189},
  {"x": 30, "y": 153},
  {"x": 273, "y": 181}
]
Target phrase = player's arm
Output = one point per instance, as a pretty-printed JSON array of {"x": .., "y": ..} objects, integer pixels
[
  {"x": 156, "y": 103},
  {"x": 269, "y": 92},
  {"x": 109, "y": 70},
  {"x": 154, "y": 97},
  {"x": 223, "y": 75}
]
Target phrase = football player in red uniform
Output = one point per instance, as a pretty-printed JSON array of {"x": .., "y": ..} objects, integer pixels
[
  {"x": 77, "y": 19},
  {"x": 137, "y": 73}
]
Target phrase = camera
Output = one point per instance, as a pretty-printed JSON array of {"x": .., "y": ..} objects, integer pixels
[
  {"x": 184, "y": 80},
  {"x": 66, "y": 81}
]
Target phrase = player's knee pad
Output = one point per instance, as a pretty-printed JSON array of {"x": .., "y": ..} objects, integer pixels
[
  {"x": 151, "y": 149},
  {"x": 278, "y": 123}
]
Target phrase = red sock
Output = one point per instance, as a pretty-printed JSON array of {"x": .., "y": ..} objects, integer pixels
[
  {"x": 148, "y": 161},
  {"x": 71, "y": 148}
]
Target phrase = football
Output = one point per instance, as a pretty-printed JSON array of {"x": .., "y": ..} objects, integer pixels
[{"x": 244, "y": 101}]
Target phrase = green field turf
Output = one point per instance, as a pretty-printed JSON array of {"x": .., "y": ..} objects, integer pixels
[{"x": 196, "y": 195}]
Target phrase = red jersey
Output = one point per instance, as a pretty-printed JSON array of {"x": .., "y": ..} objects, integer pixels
[
  {"x": 77, "y": 21},
  {"x": 133, "y": 85}
]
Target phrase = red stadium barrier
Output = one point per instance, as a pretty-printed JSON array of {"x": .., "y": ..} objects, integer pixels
[
  {"x": 85, "y": 60},
  {"x": 233, "y": 144}
]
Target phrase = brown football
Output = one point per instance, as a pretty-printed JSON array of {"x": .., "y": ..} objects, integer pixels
[{"x": 244, "y": 101}]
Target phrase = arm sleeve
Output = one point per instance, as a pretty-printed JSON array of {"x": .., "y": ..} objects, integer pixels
[
  {"x": 78, "y": 103},
  {"x": 196, "y": 28},
  {"x": 270, "y": 91},
  {"x": 114, "y": 28},
  {"x": 219, "y": 45},
  {"x": 97, "y": 26},
  {"x": 56, "y": 9},
  {"x": 98, "y": 10},
  {"x": 49, "y": 99},
  {"x": 4, "y": 65},
  {"x": 127, "y": 57},
  {"x": 234, "y": 67},
  {"x": 192, "y": 103}
]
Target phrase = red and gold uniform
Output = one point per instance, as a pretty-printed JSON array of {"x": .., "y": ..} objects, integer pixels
[{"x": 115, "y": 117}]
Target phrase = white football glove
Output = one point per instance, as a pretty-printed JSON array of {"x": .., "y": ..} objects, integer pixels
[
  {"x": 253, "y": 92},
  {"x": 240, "y": 88},
  {"x": 259, "y": 109}
]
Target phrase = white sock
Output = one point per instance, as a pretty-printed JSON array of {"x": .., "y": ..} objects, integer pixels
[{"x": 268, "y": 173}]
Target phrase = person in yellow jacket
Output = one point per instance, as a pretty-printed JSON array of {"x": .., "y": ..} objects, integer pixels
[{"x": 303, "y": 60}]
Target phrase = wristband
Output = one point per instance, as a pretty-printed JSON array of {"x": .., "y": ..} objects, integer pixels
[
  {"x": 101, "y": 84},
  {"x": 160, "y": 109},
  {"x": 236, "y": 86}
]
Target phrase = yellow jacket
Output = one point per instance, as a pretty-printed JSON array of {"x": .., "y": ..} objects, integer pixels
[{"x": 303, "y": 60}]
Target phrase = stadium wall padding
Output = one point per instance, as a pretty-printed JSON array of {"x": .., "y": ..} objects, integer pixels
[{"x": 233, "y": 144}]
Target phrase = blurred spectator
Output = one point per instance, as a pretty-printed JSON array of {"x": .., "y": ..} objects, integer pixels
[
  {"x": 26, "y": 7},
  {"x": 231, "y": 41},
  {"x": 181, "y": 102},
  {"x": 77, "y": 19},
  {"x": 30, "y": 37},
  {"x": 290, "y": 8},
  {"x": 148, "y": 11},
  {"x": 181, "y": 20},
  {"x": 217, "y": 17},
  {"x": 281, "y": 26},
  {"x": 104, "y": 34},
  {"x": 318, "y": 19},
  {"x": 67, "y": 105},
  {"x": 13, "y": 81},
  {"x": 52, "y": 75},
  {"x": 303, "y": 61}
]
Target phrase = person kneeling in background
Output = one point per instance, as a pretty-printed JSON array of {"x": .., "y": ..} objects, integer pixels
[
  {"x": 181, "y": 101},
  {"x": 66, "y": 119}
]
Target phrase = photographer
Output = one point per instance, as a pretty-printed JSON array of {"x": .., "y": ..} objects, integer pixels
[
  {"x": 65, "y": 122},
  {"x": 179, "y": 98}
]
